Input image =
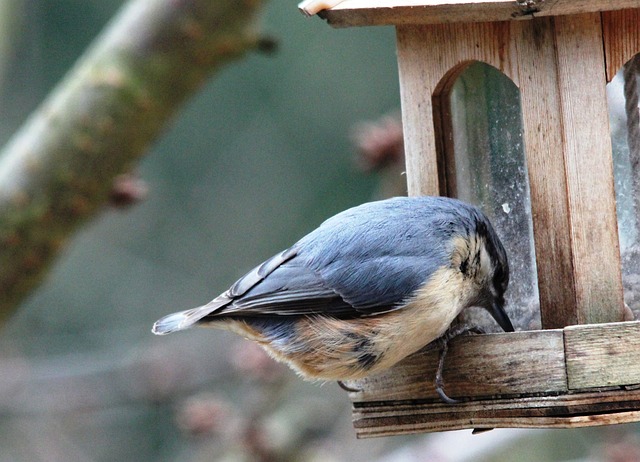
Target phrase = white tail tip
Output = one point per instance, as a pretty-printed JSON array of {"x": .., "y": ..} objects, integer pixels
[
  {"x": 170, "y": 323},
  {"x": 312, "y": 7}
]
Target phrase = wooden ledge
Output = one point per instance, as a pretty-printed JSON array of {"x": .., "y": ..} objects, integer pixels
[
  {"x": 578, "y": 376},
  {"x": 385, "y": 12}
]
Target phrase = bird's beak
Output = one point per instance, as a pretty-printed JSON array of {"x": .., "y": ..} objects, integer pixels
[{"x": 500, "y": 315}]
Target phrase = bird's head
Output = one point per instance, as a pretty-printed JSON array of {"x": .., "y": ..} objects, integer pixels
[{"x": 483, "y": 262}]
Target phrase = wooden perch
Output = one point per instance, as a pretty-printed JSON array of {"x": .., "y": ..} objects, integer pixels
[
  {"x": 58, "y": 169},
  {"x": 537, "y": 379}
]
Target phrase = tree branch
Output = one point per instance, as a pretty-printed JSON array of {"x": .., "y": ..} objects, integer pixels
[{"x": 58, "y": 169}]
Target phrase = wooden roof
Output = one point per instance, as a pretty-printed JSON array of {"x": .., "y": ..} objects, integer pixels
[{"x": 379, "y": 12}]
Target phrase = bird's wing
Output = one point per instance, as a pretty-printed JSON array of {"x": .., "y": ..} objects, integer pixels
[
  {"x": 280, "y": 286},
  {"x": 348, "y": 267},
  {"x": 290, "y": 289},
  {"x": 343, "y": 290},
  {"x": 358, "y": 263}
]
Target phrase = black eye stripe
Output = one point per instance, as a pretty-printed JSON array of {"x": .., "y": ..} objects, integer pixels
[{"x": 464, "y": 266}]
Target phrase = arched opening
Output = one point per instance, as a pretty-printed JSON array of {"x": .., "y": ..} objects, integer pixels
[
  {"x": 481, "y": 153},
  {"x": 623, "y": 93}
]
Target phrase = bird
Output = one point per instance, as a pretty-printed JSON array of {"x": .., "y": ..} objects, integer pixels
[{"x": 367, "y": 288}]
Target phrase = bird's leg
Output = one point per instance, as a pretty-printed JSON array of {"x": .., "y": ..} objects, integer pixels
[
  {"x": 443, "y": 342},
  {"x": 346, "y": 387},
  {"x": 439, "y": 382}
]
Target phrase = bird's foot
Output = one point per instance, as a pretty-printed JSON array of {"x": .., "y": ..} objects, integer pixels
[
  {"x": 347, "y": 388},
  {"x": 443, "y": 343}
]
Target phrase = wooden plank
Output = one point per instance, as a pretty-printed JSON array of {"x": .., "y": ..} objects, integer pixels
[
  {"x": 510, "y": 380},
  {"x": 603, "y": 355},
  {"x": 515, "y": 364},
  {"x": 589, "y": 168},
  {"x": 571, "y": 411},
  {"x": 416, "y": 87},
  {"x": 621, "y": 38},
  {"x": 534, "y": 43},
  {"x": 476, "y": 366},
  {"x": 427, "y": 57},
  {"x": 399, "y": 12}
]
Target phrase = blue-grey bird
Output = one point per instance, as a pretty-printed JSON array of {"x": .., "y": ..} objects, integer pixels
[{"x": 367, "y": 288}]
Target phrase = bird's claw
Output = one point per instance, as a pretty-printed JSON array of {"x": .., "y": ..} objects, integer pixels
[
  {"x": 444, "y": 348},
  {"x": 347, "y": 388}
]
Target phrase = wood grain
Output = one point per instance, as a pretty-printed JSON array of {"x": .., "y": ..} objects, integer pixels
[
  {"x": 510, "y": 380},
  {"x": 401, "y": 12},
  {"x": 600, "y": 356},
  {"x": 584, "y": 410},
  {"x": 534, "y": 43},
  {"x": 560, "y": 65},
  {"x": 621, "y": 38},
  {"x": 476, "y": 366},
  {"x": 427, "y": 57},
  {"x": 589, "y": 169},
  {"x": 568, "y": 411}
]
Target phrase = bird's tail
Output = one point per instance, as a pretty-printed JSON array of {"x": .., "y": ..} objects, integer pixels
[{"x": 185, "y": 319}]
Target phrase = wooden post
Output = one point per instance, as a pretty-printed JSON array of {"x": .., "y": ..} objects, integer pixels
[
  {"x": 561, "y": 65},
  {"x": 588, "y": 163},
  {"x": 543, "y": 138}
]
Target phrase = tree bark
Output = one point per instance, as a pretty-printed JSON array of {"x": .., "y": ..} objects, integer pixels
[{"x": 58, "y": 169}]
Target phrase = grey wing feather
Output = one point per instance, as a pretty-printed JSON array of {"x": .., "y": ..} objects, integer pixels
[
  {"x": 291, "y": 289},
  {"x": 185, "y": 319},
  {"x": 259, "y": 273}
]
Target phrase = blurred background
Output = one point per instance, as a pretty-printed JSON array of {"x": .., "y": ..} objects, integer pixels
[{"x": 268, "y": 149}]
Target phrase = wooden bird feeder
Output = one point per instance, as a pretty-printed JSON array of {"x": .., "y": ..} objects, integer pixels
[{"x": 582, "y": 367}]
